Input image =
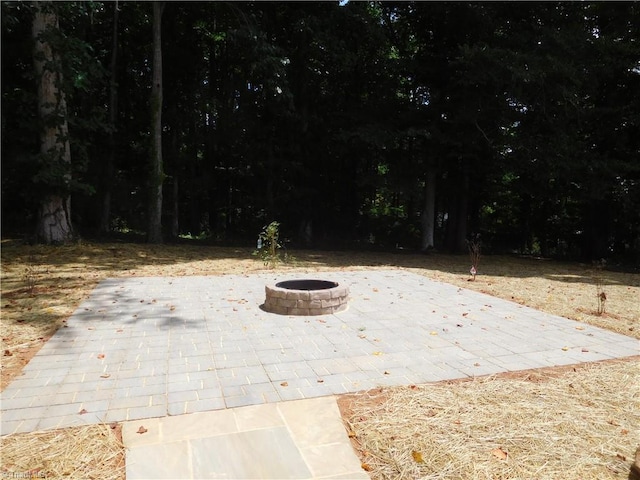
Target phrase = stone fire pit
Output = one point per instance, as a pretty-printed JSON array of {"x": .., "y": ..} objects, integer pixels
[{"x": 306, "y": 297}]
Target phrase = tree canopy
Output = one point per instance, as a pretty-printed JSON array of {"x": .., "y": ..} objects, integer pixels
[{"x": 341, "y": 121}]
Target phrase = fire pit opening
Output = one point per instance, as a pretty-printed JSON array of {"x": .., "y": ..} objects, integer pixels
[
  {"x": 306, "y": 284},
  {"x": 306, "y": 297}
]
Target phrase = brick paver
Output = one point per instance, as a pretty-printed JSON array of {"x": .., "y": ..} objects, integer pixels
[{"x": 149, "y": 347}]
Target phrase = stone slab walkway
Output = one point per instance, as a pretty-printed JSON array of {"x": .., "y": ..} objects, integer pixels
[
  {"x": 301, "y": 439},
  {"x": 155, "y": 347}
]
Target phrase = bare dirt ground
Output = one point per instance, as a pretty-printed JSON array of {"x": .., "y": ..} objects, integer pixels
[{"x": 42, "y": 286}]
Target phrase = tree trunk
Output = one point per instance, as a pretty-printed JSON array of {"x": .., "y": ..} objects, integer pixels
[
  {"x": 456, "y": 234},
  {"x": 54, "y": 216},
  {"x": 429, "y": 212},
  {"x": 156, "y": 178},
  {"x": 107, "y": 180}
]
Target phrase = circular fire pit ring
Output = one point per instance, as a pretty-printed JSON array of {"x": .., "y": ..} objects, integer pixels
[{"x": 306, "y": 297}]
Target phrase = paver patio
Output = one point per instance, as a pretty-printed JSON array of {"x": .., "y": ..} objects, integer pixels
[{"x": 155, "y": 347}]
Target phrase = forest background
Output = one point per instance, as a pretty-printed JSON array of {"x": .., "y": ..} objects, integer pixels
[{"x": 359, "y": 124}]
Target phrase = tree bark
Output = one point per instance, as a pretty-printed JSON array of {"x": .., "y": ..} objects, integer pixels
[
  {"x": 54, "y": 216},
  {"x": 429, "y": 211},
  {"x": 156, "y": 178},
  {"x": 105, "y": 214}
]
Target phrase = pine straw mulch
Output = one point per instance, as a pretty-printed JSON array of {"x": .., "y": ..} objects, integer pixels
[
  {"x": 92, "y": 452},
  {"x": 42, "y": 286},
  {"x": 570, "y": 423}
]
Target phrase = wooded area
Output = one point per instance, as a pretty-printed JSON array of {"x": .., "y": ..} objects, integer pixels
[{"x": 393, "y": 124}]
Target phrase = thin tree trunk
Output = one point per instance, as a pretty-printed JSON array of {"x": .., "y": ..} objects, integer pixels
[
  {"x": 54, "y": 217},
  {"x": 429, "y": 212},
  {"x": 105, "y": 216},
  {"x": 154, "y": 234}
]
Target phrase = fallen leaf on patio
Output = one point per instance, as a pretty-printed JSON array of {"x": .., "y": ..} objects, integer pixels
[
  {"x": 366, "y": 467},
  {"x": 378, "y": 353},
  {"x": 433, "y": 333},
  {"x": 320, "y": 380},
  {"x": 417, "y": 457},
  {"x": 100, "y": 355},
  {"x": 105, "y": 375},
  {"x": 499, "y": 453},
  {"x": 82, "y": 412},
  {"x": 476, "y": 364},
  {"x": 375, "y": 289},
  {"x": 351, "y": 434},
  {"x": 465, "y": 314},
  {"x": 119, "y": 330},
  {"x": 579, "y": 328},
  {"x": 362, "y": 336},
  {"x": 585, "y": 350},
  {"x": 172, "y": 308},
  {"x": 322, "y": 321},
  {"x": 386, "y": 372},
  {"x": 142, "y": 430},
  {"x": 564, "y": 349},
  {"x": 284, "y": 384}
]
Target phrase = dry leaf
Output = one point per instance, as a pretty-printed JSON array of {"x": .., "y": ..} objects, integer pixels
[
  {"x": 320, "y": 380},
  {"x": 564, "y": 349},
  {"x": 585, "y": 350},
  {"x": 386, "y": 372},
  {"x": 366, "y": 467},
  {"x": 105, "y": 375},
  {"x": 100, "y": 355},
  {"x": 378, "y": 353},
  {"x": 142, "y": 430},
  {"x": 7, "y": 353},
  {"x": 624, "y": 431},
  {"x": 82, "y": 412},
  {"x": 499, "y": 453},
  {"x": 284, "y": 384},
  {"x": 417, "y": 456},
  {"x": 433, "y": 333}
]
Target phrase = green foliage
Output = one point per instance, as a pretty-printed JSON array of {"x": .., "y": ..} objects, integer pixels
[
  {"x": 269, "y": 246},
  {"x": 332, "y": 116}
]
